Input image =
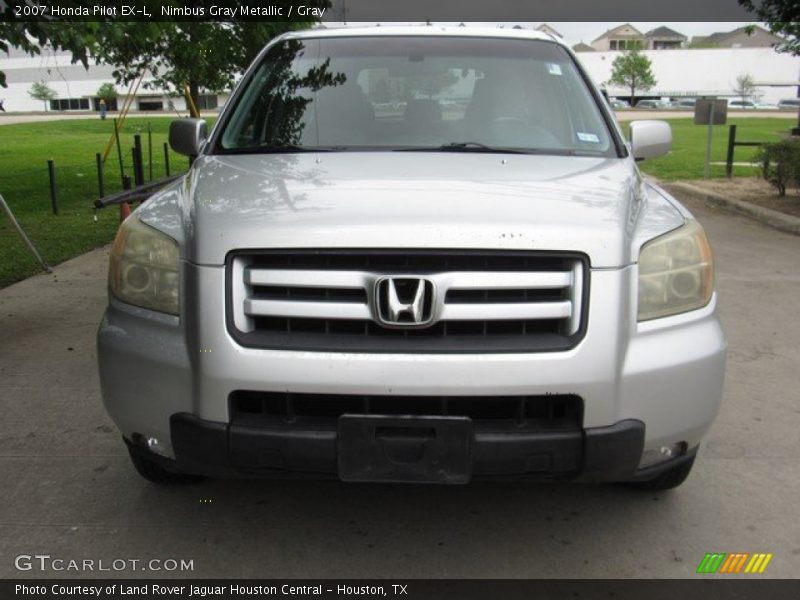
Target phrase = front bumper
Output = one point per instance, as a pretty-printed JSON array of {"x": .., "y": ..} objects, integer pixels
[
  {"x": 666, "y": 374},
  {"x": 224, "y": 450}
]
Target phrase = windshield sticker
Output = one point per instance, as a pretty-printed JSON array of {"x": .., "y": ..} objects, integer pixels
[
  {"x": 553, "y": 69},
  {"x": 588, "y": 137}
]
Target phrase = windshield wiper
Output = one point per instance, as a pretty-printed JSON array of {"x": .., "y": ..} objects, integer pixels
[{"x": 463, "y": 147}]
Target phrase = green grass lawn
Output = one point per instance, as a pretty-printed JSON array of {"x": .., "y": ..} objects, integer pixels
[
  {"x": 25, "y": 149},
  {"x": 72, "y": 144}
]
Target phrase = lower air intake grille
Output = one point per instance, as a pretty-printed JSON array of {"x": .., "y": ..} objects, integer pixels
[{"x": 553, "y": 411}]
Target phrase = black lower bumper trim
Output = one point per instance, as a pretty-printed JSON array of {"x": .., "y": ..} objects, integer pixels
[
  {"x": 654, "y": 471},
  {"x": 231, "y": 450},
  {"x": 612, "y": 453}
]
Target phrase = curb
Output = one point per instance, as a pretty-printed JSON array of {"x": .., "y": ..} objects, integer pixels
[{"x": 767, "y": 216}]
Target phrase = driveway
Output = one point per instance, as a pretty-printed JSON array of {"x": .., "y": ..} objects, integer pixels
[{"x": 69, "y": 491}]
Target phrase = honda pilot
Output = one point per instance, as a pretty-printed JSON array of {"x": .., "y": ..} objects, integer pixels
[{"x": 420, "y": 255}]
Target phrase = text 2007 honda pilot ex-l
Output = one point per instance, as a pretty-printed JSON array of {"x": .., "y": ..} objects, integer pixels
[{"x": 414, "y": 255}]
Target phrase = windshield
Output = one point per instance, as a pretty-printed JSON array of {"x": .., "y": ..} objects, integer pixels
[{"x": 416, "y": 93}]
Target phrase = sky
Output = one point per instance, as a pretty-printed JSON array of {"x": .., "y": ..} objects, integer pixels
[{"x": 575, "y": 32}]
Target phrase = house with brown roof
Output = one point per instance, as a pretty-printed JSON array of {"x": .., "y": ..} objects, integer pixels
[
  {"x": 623, "y": 37},
  {"x": 738, "y": 38},
  {"x": 664, "y": 38}
]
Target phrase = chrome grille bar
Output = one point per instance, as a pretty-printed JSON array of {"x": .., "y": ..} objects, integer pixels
[
  {"x": 451, "y": 281},
  {"x": 306, "y": 309},
  {"x": 505, "y": 281},
  {"x": 295, "y": 278},
  {"x": 506, "y": 311}
]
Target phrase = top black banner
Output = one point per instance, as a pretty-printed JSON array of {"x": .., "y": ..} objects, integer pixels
[{"x": 371, "y": 11}]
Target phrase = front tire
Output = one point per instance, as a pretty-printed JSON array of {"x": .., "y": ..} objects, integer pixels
[
  {"x": 667, "y": 480},
  {"x": 155, "y": 473}
]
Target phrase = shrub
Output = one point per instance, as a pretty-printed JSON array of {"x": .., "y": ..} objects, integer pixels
[
  {"x": 780, "y": 163},
  {"x": 107, "y": 92}
]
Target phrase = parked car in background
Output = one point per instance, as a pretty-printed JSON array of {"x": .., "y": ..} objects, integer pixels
[
  {"x": 423, "y": 297},
  {"x": 650, "y": 104},
  {"x": 742, "y": 105},
  {"x": 749, "y": 105},
  {"x": 618, "y": 104},
  {"x": 789, "y": 104},
  {"x": 685, "y": 103}
]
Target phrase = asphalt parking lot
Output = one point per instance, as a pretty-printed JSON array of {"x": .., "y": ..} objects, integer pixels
[{"x": 67, "y": 488}]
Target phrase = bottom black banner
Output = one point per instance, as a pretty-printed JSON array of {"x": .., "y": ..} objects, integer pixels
[{"x": 505, "y": 589}]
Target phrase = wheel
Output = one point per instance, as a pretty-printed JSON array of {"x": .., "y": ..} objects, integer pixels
[
  {"x": 154, "y": 472},
  {"x": 669, "y": 479}
]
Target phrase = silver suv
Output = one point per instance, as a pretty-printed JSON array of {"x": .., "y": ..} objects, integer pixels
[{"x": 414, "y": 255}]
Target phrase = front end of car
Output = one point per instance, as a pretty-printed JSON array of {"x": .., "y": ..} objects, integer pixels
[{"x": 555, "y": 367}]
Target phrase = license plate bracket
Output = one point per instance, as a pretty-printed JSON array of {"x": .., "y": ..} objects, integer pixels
[{"x": 406, "y": 449}]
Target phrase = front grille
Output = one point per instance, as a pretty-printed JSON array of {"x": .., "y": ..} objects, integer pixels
[
  {"x": 325, "y": 300},
  {"x": 554, "y": 411}
]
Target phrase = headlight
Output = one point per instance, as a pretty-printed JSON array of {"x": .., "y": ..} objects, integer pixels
[
  {"x": 144, "y": 267},
  {"x": 676, "y": 273}
]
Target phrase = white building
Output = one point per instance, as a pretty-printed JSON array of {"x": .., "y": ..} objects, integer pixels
[
  {"x": 680, "y": 72},
  {"x": 708, "y": 72},
  {"x": 76, "y": 87}
]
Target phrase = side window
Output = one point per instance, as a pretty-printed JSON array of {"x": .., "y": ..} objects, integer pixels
[{"x": 274, "y": 108}]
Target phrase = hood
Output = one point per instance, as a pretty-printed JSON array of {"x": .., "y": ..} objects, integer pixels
[{"x": 411, "y": 200}]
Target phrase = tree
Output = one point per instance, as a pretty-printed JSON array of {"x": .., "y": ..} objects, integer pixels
[
  {"x": 107, "y": 92},
  {"x": 78, "y": 38},
  {"x": 780, "y": 163},
  {"x": 41, "y": 91},
  {"x": 203, "y": 55},
  {"x": 632, "y": 70},
  {"x": 783, "y": 19},
  {"x": 745, "y": 86}
]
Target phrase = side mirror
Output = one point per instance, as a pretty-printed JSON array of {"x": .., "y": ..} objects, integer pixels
[
  {"x": 187, "y": 136},
  {"x": 650, "y": 139}
]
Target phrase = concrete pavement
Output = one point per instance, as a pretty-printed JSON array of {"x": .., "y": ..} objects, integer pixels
[
  {"x": 68, "y": 490},
  {"x": 774, "y": 218}
]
